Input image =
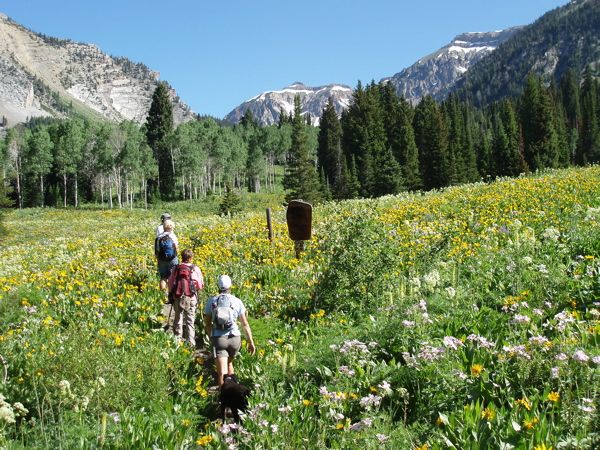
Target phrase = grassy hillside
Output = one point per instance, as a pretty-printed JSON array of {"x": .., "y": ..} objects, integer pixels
[{"x": 466, "y": 318}]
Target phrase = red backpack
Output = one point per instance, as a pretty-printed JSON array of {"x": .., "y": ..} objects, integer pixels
[{"x": 183, "y": 285}]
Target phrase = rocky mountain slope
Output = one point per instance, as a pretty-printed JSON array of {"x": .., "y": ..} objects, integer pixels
[
  {"x": 564, "y": 38},
  {"x": 267, "y": 106},
  {"x": 437, "y": 73},
  {"x": 44, "y": 76}
]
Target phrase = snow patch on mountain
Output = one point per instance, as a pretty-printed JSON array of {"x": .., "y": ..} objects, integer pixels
[
  {"x": 437, "y": 73},
  {"x": 267, "y": 106}
]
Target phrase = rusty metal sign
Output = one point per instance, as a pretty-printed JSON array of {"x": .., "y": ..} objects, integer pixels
[{"x": 299, "y": 220}]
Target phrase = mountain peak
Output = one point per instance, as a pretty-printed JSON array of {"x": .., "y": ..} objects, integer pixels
[
  {"x": 46, "y": 76},
  {"x": 267, "y": 106},
  {"x": 437, "y": 73}
]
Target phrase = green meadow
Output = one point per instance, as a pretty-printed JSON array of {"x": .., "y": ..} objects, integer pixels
[{"x": 464, "y": 318}]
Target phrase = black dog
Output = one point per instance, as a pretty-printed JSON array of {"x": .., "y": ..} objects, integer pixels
[{"x": 234, "y": 396}]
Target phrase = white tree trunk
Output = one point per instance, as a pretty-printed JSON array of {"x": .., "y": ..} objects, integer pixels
[
  {"x": 65, "y": 189},
  {"x": 42, "y": 188},
  {"x": 76, "y": 186}
]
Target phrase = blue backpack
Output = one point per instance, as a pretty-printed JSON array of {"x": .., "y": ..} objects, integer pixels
[{"x": 164, "y": 248}]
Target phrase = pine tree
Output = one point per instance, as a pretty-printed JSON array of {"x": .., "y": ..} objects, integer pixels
[
  {"x": 364, "y": 135},
  {"x": 387, "y": 178},
  {"x": 506, "y": 145},
  {"x": 589, "y": 144},
  {"x": 570, "y": 99},
  {"x": 569, "y": 92},
  {"x": 456, "y": 145},
  {"x": 408, "y": 151},
  {"x": 230, "y": 204},
  {"x": 248, "y": 120},
  {"x": 329, "y": 145},
  {"x": 431, "y": 137},
  {"x": 469, "y": 154},
  {"x": 159, "y": 126},
  {"x": 301, "y": 179},
  {"x": 352, "y": 183},
  {"x": 538, "y": 119},
  {"x": 283, "y": 119}
]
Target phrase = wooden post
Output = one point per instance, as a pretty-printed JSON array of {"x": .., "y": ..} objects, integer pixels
[{"x": 269, "y": 225}]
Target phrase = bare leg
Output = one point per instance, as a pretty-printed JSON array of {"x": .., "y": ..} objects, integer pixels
[{"x": 222, "y": 367}]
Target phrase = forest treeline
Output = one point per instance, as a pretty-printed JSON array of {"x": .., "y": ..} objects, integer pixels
[{"x": 380, "y": 145}]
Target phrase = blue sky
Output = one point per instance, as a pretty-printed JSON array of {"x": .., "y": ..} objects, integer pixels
[{"x": 219, "y": 53}]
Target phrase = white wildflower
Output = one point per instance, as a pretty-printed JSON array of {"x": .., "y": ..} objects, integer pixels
[
  {"x": 415, "y": 282},
  {"x": 432, "y": 279},
  {"x": 65, "y": 387},
  {"x": 382, "y": 437},
  {"x": 385, "y": 387},
  {"x": 452, "y": 342},
  {"x": 551, "y": 234},
  {"x": 7, "y": 414},
  {"x": 580, "y": 356},
  {"x": 520, "y": 318},
  {"x": 20, "y": 410},
  {"x": 541, "y": 268}
]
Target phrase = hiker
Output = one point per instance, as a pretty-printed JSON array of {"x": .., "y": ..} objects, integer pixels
[
  {"x": 165, "y": 249},
  {"x": 161, "y": 228},
  {"x": 184, "y": 283},
  {"x": 221, "y": 314}
]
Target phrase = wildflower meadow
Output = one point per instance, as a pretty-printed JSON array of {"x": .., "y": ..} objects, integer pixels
[{"x": 465, "y": 318}]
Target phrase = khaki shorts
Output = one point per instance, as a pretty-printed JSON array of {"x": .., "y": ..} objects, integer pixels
[{"x": 226, "y": 346}]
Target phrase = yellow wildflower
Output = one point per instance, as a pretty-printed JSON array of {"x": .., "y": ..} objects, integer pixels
[
  {"x": 524, "y": 403},
  {"x": 530, "y": 424},
  {"x": 553, "y": 396},
  {"x": 476, "y": 370},
  {"x": 199, "y": 388},
  {"x": 204, "y": 440},
  {"x": 488, "y": 414}
]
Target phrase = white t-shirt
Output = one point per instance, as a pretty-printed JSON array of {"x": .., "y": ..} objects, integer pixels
[
  {"x": 172, "y": 235},
  {"x": 160, "y": 230},
  {"x": 238, "y": 309}
]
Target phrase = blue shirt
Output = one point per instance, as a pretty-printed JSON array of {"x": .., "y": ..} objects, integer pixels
[{"x": 238, "y": 309}]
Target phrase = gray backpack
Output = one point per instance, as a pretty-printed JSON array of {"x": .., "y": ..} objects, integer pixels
[{"x": 222, "y": 313}]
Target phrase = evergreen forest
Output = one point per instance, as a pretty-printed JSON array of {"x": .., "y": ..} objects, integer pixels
[{"x": 380, "y": 145}]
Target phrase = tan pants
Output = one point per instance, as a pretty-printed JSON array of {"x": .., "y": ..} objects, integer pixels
[{"x": 185, "y": 318}]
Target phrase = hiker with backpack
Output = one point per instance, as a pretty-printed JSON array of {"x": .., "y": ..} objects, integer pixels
[
  {"x": 165, "y": 249},
  {"x": 184, "y": 283},
  {"x": 221, "y": 314},
  {"x": 160, "y": 229}
]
